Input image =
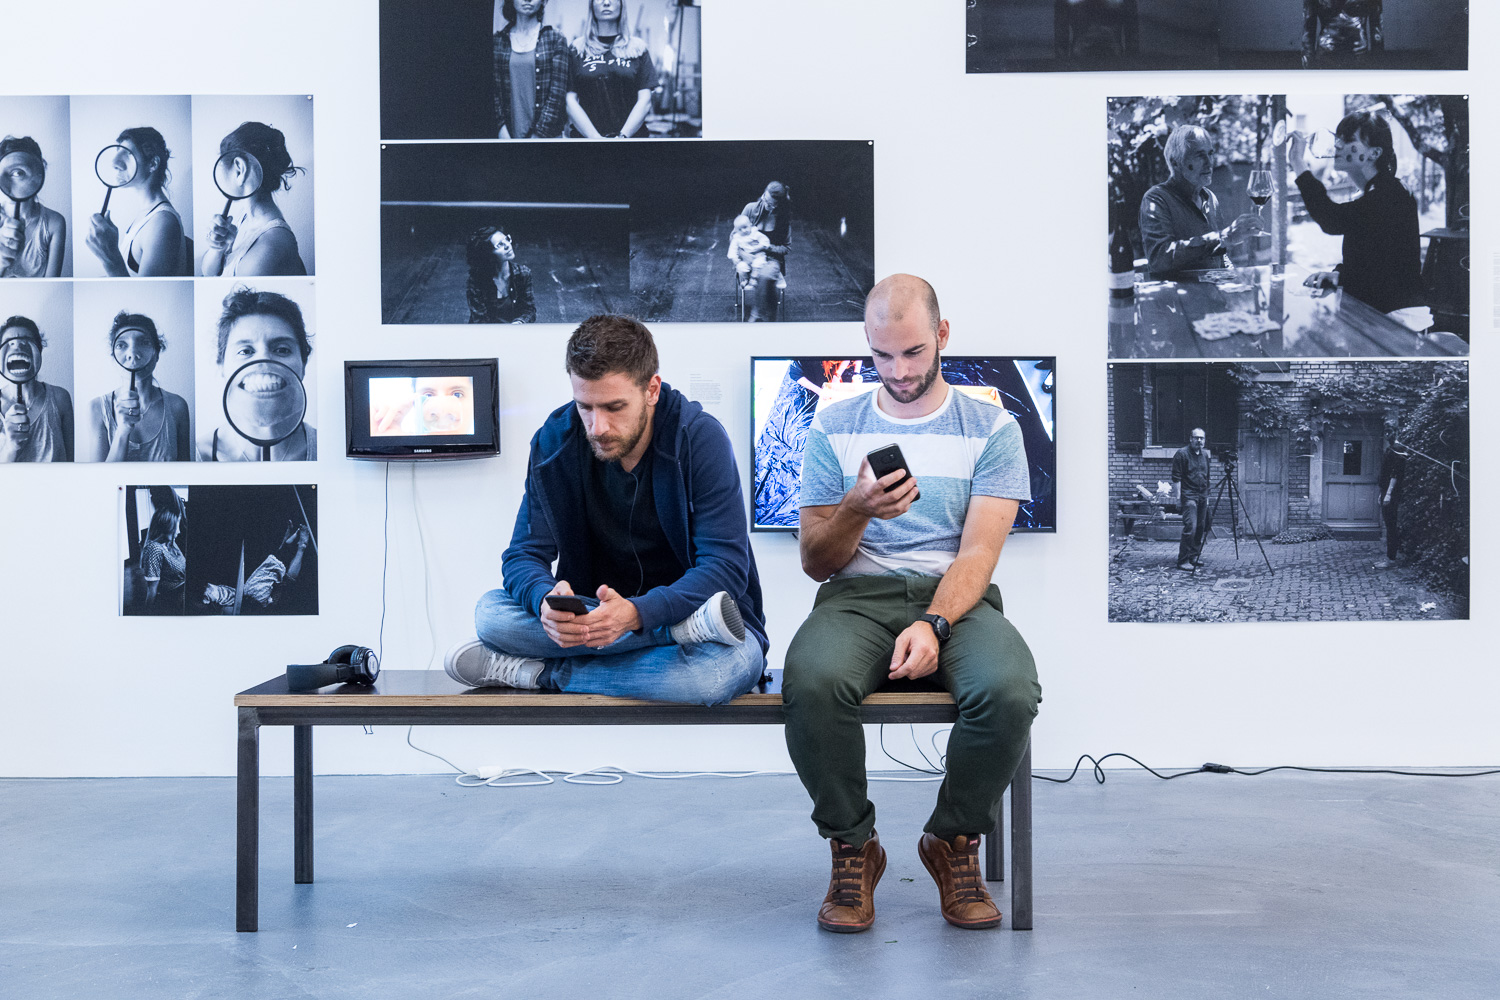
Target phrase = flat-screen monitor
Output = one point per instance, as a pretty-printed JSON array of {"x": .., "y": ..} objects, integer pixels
[
  {"x": 786, "y": 392},
  {"x": 400, "y": 410}
]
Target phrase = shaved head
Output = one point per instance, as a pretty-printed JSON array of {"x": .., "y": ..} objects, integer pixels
[{"x": 898, "y": 296}]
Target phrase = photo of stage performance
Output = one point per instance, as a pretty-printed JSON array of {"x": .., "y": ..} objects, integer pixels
[
  {"x": 1029, "y": 36},
  {"x": 703, "y": 231},
  {"x": 726, "y": 231},
  {"x": 503, "y": 232}
]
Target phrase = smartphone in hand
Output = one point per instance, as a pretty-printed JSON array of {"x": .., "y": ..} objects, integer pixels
[
  {"x": 884, "y": 461},
  {"x": 566, "y": 602}
]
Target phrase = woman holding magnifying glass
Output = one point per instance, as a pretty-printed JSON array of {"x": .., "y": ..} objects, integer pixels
[
  {"x": 139, "y": 421},
  {"x": 263, "y": 352},
  {"x": 36, "y": 419},
  {"x": 154, "y": 243},
  {"x": 254, "y": 164},
  {"x": 33, "y": 237}
]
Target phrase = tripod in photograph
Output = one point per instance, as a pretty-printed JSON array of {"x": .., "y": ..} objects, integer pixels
[{"x": 1228, "y": 486}]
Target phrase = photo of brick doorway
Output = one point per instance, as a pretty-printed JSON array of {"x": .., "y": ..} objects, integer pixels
[{"x": 1348, "y": 482}]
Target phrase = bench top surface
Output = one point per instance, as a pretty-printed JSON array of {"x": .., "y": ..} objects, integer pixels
[{"x": 413, "y": 688}]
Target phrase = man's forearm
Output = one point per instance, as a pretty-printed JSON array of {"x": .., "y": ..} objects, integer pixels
[
  {"x": 830, "y": 542},
  {"x": 963, "y": 585}
]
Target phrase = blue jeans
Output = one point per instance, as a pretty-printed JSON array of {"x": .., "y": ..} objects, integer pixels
[{"x": 645, "y": 664}]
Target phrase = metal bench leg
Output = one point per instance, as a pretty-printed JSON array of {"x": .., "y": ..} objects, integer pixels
[
  {"x": 247, "y": 823},
  {"x": 994, "y": 847},
  {"x": 1020, "y": 845},
  {"x": 302, "y": 803}
]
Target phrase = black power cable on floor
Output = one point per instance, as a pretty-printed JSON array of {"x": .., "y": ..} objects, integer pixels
[{"x": 1208, "y": 768}]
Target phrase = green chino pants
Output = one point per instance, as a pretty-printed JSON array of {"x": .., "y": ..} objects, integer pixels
[{"x": 842, "y": 653}]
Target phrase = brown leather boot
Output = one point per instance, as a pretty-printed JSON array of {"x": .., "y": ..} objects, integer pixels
[
  {"x": 955, "y": 868},
  {"x": 850, "y": 904}
]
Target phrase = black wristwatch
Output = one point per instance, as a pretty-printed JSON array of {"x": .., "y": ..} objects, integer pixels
[{"x": 940, "y": 627}]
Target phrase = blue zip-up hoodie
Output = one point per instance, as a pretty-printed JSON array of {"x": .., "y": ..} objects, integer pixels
[{"x": 696, "y": 485}]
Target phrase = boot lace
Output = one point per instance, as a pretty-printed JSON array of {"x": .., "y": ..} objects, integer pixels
[
  {"x": 848, "y": 875},
  {"x": 968, "y": 887}
]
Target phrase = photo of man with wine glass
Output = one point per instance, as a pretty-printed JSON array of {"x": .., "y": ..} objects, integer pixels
[{"x": 1278, "y": 226}]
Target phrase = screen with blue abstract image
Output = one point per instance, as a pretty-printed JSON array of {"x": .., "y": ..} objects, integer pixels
[{"x": 786, "y": 392}]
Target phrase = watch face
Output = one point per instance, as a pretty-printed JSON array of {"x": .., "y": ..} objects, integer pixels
[{"x": 939, "y": 626}]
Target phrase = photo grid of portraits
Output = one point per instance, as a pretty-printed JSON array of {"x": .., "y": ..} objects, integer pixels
[
  {"x": 219, "y": 550},
  {"x": 1288, "y": 324},
  {"x": 162, "y": 305}
]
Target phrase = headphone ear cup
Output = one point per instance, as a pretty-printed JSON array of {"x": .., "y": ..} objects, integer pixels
[
  {"x": 366, "y": 664},
  {"x": 344, "y": 654}
]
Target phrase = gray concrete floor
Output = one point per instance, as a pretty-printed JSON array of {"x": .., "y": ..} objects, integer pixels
[{"x": 1284, "y": 885}]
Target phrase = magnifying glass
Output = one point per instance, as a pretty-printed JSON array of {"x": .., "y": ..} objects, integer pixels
[
  {"x": 115, "y": 166},
  {"x": 237, "y": 175},
  {"x": 134, "y": 353},
  {"x": 21, "y": 177},
  {"x": 264, "y": 401},
  {"x": 18, "y": 364}
]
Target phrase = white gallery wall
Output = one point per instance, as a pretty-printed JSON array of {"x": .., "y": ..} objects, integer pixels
[{"x": 991, "y": 186}]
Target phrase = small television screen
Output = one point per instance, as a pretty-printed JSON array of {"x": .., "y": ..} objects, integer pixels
[
  {"x": 422, "y": 409},
  {"x": 785, "y": 393}
]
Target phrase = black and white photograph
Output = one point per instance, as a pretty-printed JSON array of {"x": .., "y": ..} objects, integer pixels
[
  {"x": 35, "y": 148},
  {"x": 504, "y": 233},
  {"x": 1343, "y": 34},
  {"x": 1289, "y": 491},
  {"x": 1030, "y": 36},
  {"x": 132, "y": 173},
  {"x": 36, "y": 371},
  {"x": 1288, "y": 225},
  {"x": 219, "y": 550},
  {"x": 755, "y": 231},
  {"x": 255, "y": 361},
  {"x": 512, "y": 233},
  {"x": 253, "y": 186},
  {"x": 540, "y": 69},
  {"x": 133, "y": 363}
]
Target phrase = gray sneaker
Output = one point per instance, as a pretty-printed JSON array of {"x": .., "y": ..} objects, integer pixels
[
  {"x": 473, "y": 664},
  {"x": 717, "y": 621}
]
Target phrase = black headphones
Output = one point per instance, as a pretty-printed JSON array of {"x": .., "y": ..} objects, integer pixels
[{"x": 345, "y": 665}]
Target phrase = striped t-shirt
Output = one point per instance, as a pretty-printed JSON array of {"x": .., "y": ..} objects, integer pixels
[{"x": 966, "y": 447}]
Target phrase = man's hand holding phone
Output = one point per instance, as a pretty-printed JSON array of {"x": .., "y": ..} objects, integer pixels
[
  {"x": 569, "y": 622},
  {"x": 884, "y": 488}
]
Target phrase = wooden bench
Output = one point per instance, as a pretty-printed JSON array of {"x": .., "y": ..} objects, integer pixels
[{"x": 431, "y": 698}]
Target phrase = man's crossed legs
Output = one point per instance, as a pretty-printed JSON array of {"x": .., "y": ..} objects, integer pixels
[{"x": 706, "y": 659}]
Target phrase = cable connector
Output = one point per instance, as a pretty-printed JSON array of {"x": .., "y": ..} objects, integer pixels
[
  {"x": 492, "y": 771},
  {"x": 1217, "y": 768}
]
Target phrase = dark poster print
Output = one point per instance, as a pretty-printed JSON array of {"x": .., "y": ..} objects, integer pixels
[
  {"x": 1028, "y": 36},
  {"x": 511, "y": 233},
  {"x": 220, "y": 550}
]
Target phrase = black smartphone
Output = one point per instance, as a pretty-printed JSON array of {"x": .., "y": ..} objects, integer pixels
[
  {"x": 566, "y": 602},
  {"x": 886, "y": 460}
]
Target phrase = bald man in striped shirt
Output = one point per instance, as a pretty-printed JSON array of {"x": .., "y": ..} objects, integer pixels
[{"x": 907, "y": 595}]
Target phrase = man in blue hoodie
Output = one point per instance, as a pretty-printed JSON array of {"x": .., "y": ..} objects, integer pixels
[{"x": 633, "y": 490}]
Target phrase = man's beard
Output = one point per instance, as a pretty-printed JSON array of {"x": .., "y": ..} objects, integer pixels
[
  {"x": 912, "y": 395},
  {"x": 627, "y": 445}
]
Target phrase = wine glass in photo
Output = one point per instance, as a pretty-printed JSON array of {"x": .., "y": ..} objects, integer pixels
[{"x": 1259, "y": 188}]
